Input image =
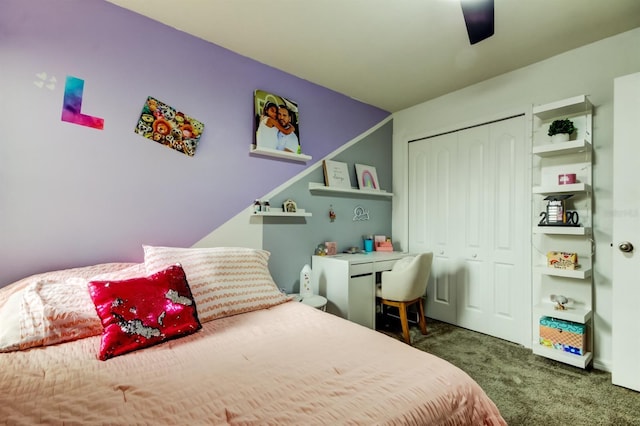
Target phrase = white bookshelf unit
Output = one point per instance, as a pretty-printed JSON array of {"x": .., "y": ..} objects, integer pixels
[{"x": 549, "y": 161}]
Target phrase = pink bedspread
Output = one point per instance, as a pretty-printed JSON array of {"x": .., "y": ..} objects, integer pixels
[{"x": 290, "y": 364}]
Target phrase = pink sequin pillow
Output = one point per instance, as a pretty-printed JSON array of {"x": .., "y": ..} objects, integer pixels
[{"x": 140, "y": 312}]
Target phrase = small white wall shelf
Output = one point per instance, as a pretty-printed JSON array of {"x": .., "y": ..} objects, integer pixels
[
  {"x": 561, "y": 189},
  {"x": 278, "y": 212},
  {"x": 266, "y": 152},
  {"x": 319, "y": 188},
  {"x": 581, "y": 273},
  {"x": 580, "y": 361},
  {"x": 562, "y": 230},
  {"x": 553, "y": 149},
  {"x": 577, "y": 313},
  {"x": 571, "y": 106}
]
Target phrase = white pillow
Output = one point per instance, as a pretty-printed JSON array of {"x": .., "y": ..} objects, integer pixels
[
  {"x": 10, "y": 322},
  {"x": 134, "y": 271},
  {"x": 46, "y": 313},
  {"x": 55, "y": 307},
  {"x": 224, "y": 280}
]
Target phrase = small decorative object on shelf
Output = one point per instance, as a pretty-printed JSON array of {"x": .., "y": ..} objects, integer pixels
[
  {"x": 321, "y": 250},
  {"x": 289, "y": 206},
  {"x": 367, "y": 177},
  {"x": 331, "y": 247},
  {"x": 562, "y": 260},
  {"x": 560, "y": 302},
  {"x": 561, "y": 130},
  {"x": 566, "y": 178},
  {"x": 556, "y": 213},
  {"x": 573, "y": 218},
  {"x": 257, "y": 206},
  {"x": 266, "y": 206},
  {"x": 336, "y": 174}
]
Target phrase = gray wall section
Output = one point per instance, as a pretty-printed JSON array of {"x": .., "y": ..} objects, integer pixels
[{"x": 292, "y": 241}]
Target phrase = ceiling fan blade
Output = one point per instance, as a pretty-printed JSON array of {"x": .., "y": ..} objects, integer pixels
[{"x": 478, "y": 16}]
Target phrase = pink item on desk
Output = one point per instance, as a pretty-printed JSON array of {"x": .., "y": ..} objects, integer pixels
[{"x": 384, "y": 246}]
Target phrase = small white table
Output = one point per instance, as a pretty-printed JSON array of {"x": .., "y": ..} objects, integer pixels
[{"x": 317, "y": 301}]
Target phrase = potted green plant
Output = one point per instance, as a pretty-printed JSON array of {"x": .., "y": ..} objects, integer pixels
[{"x": 560, "y": 130}]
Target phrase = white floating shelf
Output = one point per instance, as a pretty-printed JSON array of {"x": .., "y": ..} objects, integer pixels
[
  {"x": 581, "y": 361},
  {"x": 278, "y": 212},
  {"x": 562, "y": 148},
  {"x": 562, "y": 230},
  {"x": 562, "y": 189},
  {"x": 564, "y": 107},
  {"x": 321, "y": 188},
  {"x": 266, "y": 152},
  {"x": 567, "y": 273},
  {"x": 579, "y": 315}
]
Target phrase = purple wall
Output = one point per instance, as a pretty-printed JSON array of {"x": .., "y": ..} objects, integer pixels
[{"x": 72, "y": 195}]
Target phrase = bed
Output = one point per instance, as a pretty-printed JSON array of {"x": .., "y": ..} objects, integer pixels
[{"x": 253, "y": 357}]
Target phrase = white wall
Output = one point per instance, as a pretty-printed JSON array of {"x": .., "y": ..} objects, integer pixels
[{"x": 587, "y": 70}]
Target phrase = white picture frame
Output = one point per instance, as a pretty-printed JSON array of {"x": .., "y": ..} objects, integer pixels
[
  {"x": 367, "y": 178},
  {"x": 336, "y": 174},
  {"x": 289, "y": 206}
]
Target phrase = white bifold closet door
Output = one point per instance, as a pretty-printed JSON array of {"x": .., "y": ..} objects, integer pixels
[{"x": 469, "y": 203}]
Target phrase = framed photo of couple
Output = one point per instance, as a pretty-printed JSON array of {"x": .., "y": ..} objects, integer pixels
[{"x": 277, "y": 123}]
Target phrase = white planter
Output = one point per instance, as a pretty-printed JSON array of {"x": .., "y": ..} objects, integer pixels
[{"x": 560, "y": 137}]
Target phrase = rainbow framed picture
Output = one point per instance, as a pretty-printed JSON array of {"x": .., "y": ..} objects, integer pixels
[{"x": 367, "y": 177}]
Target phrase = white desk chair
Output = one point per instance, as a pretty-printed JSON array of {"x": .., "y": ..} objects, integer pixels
[{"x": 404, "y": 286}]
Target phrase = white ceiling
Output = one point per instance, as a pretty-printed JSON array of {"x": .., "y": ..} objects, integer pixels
[{"x": 392, "y": 53}]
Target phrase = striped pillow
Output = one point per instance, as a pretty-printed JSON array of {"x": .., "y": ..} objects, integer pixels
[{"x": 224, "y": 280}]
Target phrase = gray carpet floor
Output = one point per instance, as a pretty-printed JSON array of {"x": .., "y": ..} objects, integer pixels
[{"x": 527, "y": 389}]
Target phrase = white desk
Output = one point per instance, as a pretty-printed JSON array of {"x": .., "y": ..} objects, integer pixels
[{"x": 348, "y": 281}]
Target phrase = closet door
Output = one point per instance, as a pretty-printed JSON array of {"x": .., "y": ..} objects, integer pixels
[
  {"x": 474, "y": 196},
  {"x": 433, "y": 219},
  {"x": 493, "y": 287},
  {"x": 468, "y": 204}
]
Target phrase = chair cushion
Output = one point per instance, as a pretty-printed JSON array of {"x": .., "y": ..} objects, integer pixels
[{"x": 403, "y": 263}]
